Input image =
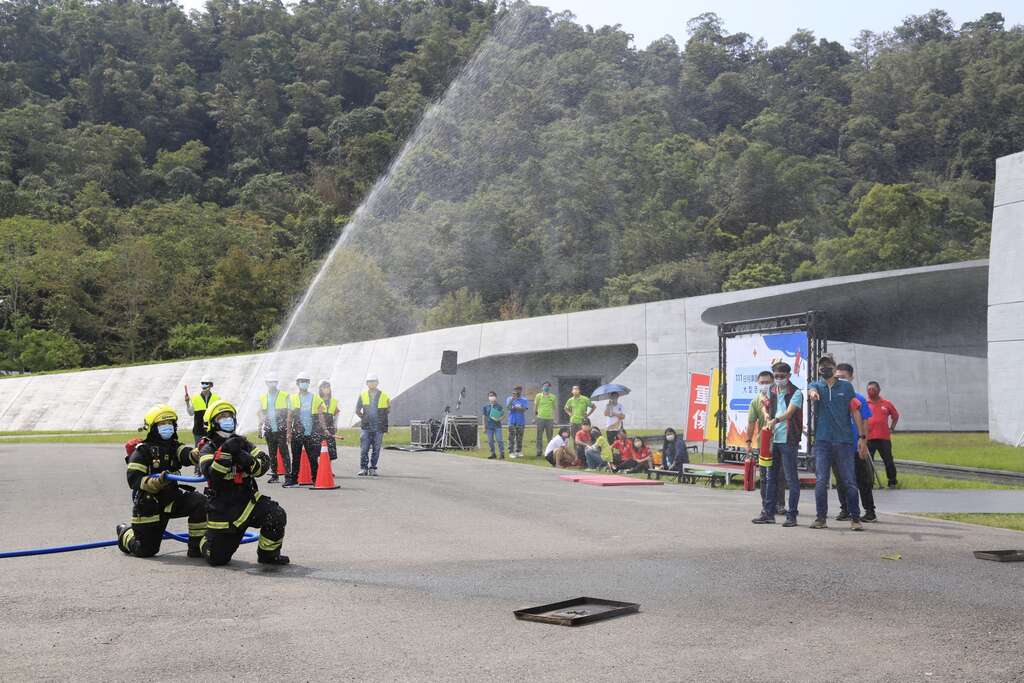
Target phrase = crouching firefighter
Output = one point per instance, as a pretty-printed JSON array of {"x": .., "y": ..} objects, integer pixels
[
  {"x": 231, "y": 464},
  {"x": 155, "y": 498}
]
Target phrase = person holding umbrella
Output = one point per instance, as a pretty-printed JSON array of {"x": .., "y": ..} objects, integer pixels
[{"x": 614, "y": 411}]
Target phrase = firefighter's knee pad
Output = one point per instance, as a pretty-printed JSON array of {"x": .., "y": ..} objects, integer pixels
[{"x": 274, "y": 522}]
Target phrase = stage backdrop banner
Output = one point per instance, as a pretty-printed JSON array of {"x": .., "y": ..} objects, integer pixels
[
  {"x": 745, "y": 357},
  {"x": 700, "y": 400}
]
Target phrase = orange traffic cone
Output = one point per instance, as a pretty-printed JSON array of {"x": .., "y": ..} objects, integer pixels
[
  {"x": 324, "y": 475},
  {"x": 281, "y": 470},
  {"x": 305, "y": 471}
]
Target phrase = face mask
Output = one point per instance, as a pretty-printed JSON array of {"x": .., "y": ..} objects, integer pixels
[
  {"x": 873, "y": 393},
  {"x": 207, "y": 387},
  {"x": 670, "y": 437},
  {"x": 546, "y": 389},
  {"x": 492, "y": 399},
  {"x": 781, "y": 383},
  {"x": 826, "y": 372},
  {"x": 272, "y": 387},
  {"x": 637, "y": 444},
  {"x": 227, "y": 424},
  {"x": 763, "y": 388},
  {"x": 303, "y": 385},
  {"x": 165, "y": 431}
]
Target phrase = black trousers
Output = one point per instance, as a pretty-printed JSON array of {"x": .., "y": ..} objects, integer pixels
[
  {"x": 147, "y": 531},
  {"x": 884, "y": 448},
  {"x": 865, "y": 483},
  {"x": 278, "y": 441},
  {"x": 219, "y": 545},
  {"x": 312, "y": 446},
  {"x": 515, "y": 438}
]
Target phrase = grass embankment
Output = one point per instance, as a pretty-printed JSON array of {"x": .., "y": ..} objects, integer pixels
[
  {"x": 1012, "y": 521},
  {"x": 965, "y": 449}
]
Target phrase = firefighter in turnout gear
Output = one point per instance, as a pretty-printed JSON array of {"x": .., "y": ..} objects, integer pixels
[
  {"x": 231, "y": 465},
  {"x": 156, "y": 499}
]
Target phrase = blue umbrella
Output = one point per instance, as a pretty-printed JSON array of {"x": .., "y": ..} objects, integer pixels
[{"x": 605, "y": 391}]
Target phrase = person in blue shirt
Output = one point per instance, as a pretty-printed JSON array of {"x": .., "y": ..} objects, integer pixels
[
  {"x": 861, "y": 465},
  {"x": 516, "y": 405},
  {"x": 493, "y": 412},
  {"x": 835, "y": 403},
  {"x": 785, "y": 413}
]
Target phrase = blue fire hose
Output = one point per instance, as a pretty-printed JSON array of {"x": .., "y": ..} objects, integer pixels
[{"x": 248, "y": 537}]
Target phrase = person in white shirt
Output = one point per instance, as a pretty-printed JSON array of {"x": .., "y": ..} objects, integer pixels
[
  {"x": 615, "y": 414},
  {"x": 558, "y": 452}
]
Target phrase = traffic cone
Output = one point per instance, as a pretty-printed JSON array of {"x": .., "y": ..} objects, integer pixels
[
  {"x": 305, "y": 471},
  {"x": 324, "y": 475},
  {"x": 281, "y": 471}
]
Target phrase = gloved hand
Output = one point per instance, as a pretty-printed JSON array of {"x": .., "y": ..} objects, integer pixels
[
  {"x": 242, "y": 460},
  {"x": 154, "y": 483},
  {"x": 233, "y": 445}
]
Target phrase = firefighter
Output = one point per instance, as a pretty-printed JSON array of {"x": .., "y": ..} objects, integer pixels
[
  {"x": 231, "y": 464},
  {"x": 329, "y": 412},
  {"x": 197, "y": 405},
  {"x": 305, "y": 422},
  {"x": 156, "y": 499},
  {"x": 273, "y": 417}
]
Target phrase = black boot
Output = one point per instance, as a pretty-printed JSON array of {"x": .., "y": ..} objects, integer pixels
[
  {"x": 121, "y": 529},
  {"x": 271, "y": 558}
]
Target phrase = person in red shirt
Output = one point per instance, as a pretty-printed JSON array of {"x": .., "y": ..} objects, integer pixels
[
  {"x": 582, "y": 440},
  {"x": 622, "y": 448},
  {"x": 639, "y": 458},
  {"x": 884, "y": 417}
]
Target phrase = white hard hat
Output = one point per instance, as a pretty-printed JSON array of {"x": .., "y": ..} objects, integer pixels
[
  {"x": 270, "y": 378},
  {"x": 206, "y": 380},
  {"x": 302, "y": 375},
  {"x": 372, "y": 377}
]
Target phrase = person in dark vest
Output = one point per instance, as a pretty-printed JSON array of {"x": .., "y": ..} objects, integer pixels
[
  {"x": 372, "y": 408},
  {"x": 786, "y": 422},
  {"x": 305, "y": 424},
  {"x": 198, "y": 404},
  {"x": 273, "y": 418}
]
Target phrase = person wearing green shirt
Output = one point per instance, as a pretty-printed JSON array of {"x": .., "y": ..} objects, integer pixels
[
  {"x": 544, "y": 414},
  {"x": 578, "y": 407},
  {"x": 757, "y": 421}
]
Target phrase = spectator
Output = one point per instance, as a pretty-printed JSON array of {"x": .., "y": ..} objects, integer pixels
[
  {"x": 881, "y": 424},
  {"x": 861, "y": 465},
  {"x": 639, "y": 460},
  {"x": 517, "y": 406},
  {"x": 786, "y": 425},
  {"x": 493, "y": 412},
  {"x": 757, "y": 428},
  {"x": 544, "y": 414},
  {"x": 373, "y": 408},
  {"x": 674, "y": 453},
  {"x": 622, "y": 448},
  {"x": 834, "y": 401},
  {"x": 305, "y": 423},
  {"x": 329, "y": 419},
  {"x": 581, "y": 440},
  {"x": 578, "y": 407},
  {"x": 615, "y": 414},
  {"x": 599, "y": 455},
  {"x": 557, "y": 452}
]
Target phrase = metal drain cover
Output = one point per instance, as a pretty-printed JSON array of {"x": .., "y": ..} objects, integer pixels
[{"x": 577, "y": 611}]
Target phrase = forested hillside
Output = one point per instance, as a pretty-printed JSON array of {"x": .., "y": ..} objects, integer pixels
[{"x": 170, "y": 182}]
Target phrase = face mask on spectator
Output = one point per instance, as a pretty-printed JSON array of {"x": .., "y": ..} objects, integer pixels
[
  {"x": 826, "y": 372},
  {"x": 763, "y": 388},
  {"x": 670, "y": 437},
  {"x": 781, "y": 383},
  {"x": 638, "y": 444}
]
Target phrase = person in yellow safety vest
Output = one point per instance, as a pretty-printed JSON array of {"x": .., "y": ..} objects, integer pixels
[
  {"x": 372, "y": 408},
  {"x": 305, "y": 423},
  {"x": 273, "y": 419},
  {"x": 155, "y": 499},
  {"x": 197, "y": 405},
  {"x": 329, "y": 411},
  {"x": 231, "y": 465}
]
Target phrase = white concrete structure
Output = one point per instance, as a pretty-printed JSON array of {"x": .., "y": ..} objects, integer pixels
[
  {"x": 1006, "y": 302},
  {"x": 924, "y": 340}
]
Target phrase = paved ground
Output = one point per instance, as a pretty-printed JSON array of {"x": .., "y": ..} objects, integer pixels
[
  {"x": 951, "y": 500},
  {"x": 415, "y": 575}
]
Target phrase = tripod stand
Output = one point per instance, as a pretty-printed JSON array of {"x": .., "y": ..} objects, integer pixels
[{"x": 448, "y": 436}]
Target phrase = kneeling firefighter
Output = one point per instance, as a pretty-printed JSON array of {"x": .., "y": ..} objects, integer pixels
[
  {"x": 157, "y": 499},
  {"x": 231, "y": 464}
]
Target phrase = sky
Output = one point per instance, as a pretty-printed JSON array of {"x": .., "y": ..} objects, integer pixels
[{"x": 648, "y": 20}]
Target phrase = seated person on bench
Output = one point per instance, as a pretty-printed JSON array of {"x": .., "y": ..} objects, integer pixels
[
  {"x": 600, "y": 454},
  {"x": 622, "y": 448},
  {"x": 674, "y": 453},
  {"x": 639, "y": 458}
]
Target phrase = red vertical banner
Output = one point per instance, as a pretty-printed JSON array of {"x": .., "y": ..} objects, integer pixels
[{"x": 700, "y": 399}]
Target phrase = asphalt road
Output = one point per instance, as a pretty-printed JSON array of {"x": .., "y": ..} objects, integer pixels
[{"x": 414, "y": 576}]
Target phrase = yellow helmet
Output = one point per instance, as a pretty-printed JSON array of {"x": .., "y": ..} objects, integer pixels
[
  {"x": 216, "y": 408},
  {"x": 158, "y": 413}
]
